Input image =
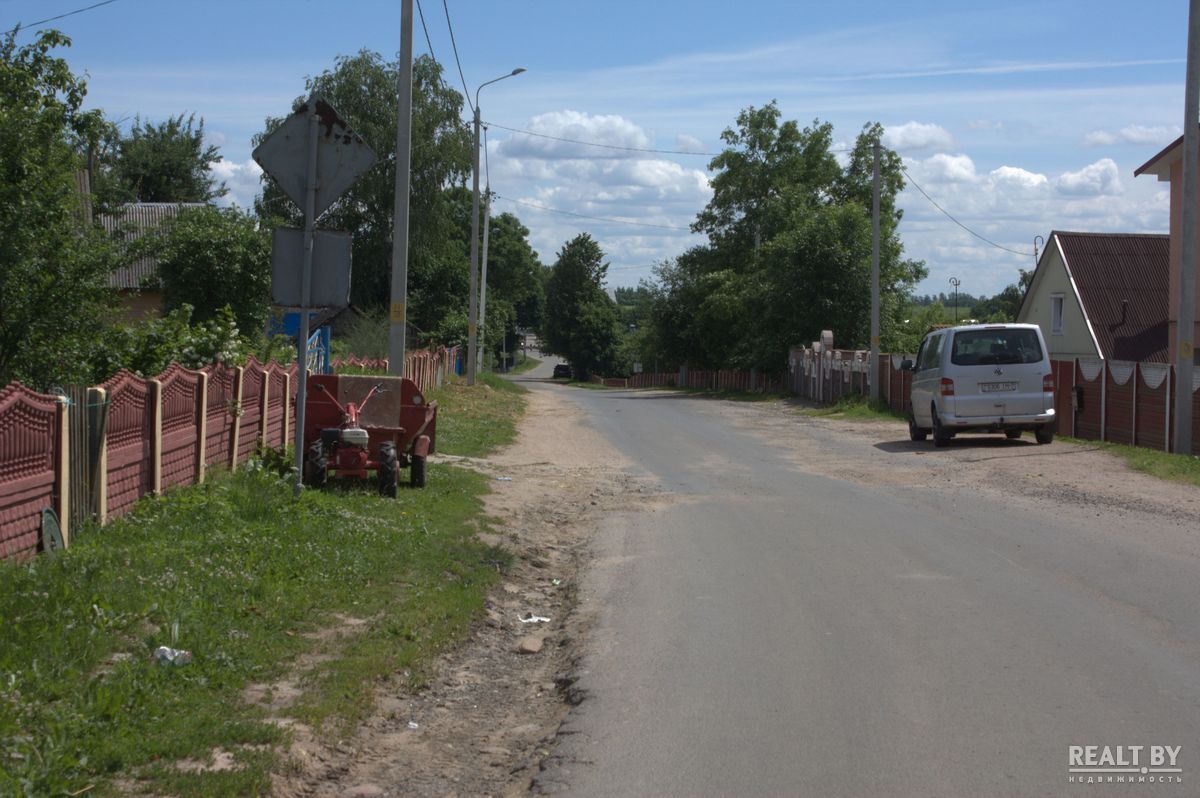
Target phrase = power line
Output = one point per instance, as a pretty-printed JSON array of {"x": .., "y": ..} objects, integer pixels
[
  {"x": 62, "y": 16},
  {"x": 424, "y": 27},
  {"x": 947, "y": 214},
  {"x": 605, "y": 146},
  {"x": 593, "y": 218},
  {"x": 454, "y": 45}
]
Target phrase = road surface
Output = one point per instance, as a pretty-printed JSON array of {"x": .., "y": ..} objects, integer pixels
[{"x": 766, "y": 630}]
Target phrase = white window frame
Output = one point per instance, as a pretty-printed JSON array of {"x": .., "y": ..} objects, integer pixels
[{"x": 1058, "y": 302}]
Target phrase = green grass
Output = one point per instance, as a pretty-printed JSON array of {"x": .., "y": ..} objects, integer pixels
[
  {"x": 1154, "y": 462},
  {"x": 528, "y": 364},
  {"x": 476, "y": 420},
  {"x": 241, "y": 574},
  {"x": 854, "y": 407}
]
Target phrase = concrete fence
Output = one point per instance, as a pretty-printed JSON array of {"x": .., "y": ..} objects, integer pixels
[
  {"x": 1115, "y": 401},
  {"x": 92, "y": 453}
]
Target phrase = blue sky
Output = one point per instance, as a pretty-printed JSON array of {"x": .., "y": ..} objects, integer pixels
[{"x": 1018, "y": 118}]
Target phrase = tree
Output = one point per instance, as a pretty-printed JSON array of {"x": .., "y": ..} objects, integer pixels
[
  {"x": 789, "y": 249},
  {"x": 167, "y": 162},
  {"x": 54, "y": 267},
  {"x": 362, "y": 88},
  {"x": 581, "y": 321},
  {"x": 211, "y": 258}
]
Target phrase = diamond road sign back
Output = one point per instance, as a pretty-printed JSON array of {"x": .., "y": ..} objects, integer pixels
[{"x": 342, "y": 155}]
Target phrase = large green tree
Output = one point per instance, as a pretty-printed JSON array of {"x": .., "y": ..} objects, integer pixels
[
  {"x": 164, "y": 162},
  {"x": 581, "y": 321},
  {"x": 54, "y": 267},
  {"x": 788, "y": 252},
  {"x": 362, "y": 88},
  {"x": 211, "y": 258}
]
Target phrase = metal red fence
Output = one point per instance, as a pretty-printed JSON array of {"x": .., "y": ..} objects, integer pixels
[{"x": 150, "y": 434}]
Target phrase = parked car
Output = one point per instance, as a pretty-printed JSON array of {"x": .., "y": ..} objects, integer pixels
[
  {"x": 562, "y": 370},
  {"x": 982, "y": 378}
]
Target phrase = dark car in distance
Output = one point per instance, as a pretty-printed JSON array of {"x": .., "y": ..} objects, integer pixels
[{"x": 562, "y": 370}]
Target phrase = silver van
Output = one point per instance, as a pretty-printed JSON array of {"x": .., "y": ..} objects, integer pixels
[{"x": 982, "y": 378}]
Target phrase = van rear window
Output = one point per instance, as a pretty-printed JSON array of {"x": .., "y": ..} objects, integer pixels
[{"x": 990, "y": 347}]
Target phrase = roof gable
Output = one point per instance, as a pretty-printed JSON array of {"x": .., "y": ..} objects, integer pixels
[{"x": 1123, "y": 285}]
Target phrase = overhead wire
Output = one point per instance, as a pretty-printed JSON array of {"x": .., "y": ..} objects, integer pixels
[
  {"x": 593, "y": 218},
  {"x": 949, "y": 216},
  {"x": 63, "y": 16},
  {"x": 424, "y": 27},
  {"x": 454, "y": 46}
]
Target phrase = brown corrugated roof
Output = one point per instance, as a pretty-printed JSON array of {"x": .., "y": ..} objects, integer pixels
[
  {"x": 1123, "y": 282},
  {"x": 135, "y": 219}
]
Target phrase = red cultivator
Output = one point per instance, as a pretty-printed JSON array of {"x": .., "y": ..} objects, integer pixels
[{"x": 346, "y": 439}]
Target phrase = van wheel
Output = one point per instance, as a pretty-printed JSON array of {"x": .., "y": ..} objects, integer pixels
[
  {"x": 1044, "y": 434},
  {"x": 941, "y": 435},
  {"x": 915, "y": 433},
  {"x": 1012, "y": 434}
]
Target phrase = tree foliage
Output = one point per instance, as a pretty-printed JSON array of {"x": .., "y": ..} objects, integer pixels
[
  {"x": 212, "y": 258},
  {"x": 54, "y": 296},
  {"x": 362, "y": 88},
  {"x": 581, "y": 321},
  {"x": 164, "y": 162},
  {"x": 788, "y": 252}
]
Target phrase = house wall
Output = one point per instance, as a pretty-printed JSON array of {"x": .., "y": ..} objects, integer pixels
[
  {"x": 1176, "y": 260},
  {"x": 1052, "y": 278}
]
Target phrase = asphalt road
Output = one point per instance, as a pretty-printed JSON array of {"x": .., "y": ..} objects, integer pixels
[{"x": 764, "y": 631}]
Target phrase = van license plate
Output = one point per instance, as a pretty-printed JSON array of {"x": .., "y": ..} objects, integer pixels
[{"x": 992, "y": 387}]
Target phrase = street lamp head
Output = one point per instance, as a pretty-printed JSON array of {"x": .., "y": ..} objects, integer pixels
[{"x": 518, "y": 70}]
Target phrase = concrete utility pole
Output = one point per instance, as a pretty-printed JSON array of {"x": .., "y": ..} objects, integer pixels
[
  {"x": 483, "y": 260},
  {"x": 874, "y": 383},
  {"x": 1186, "y": 331},
  {"x": 398, "y": 316}
]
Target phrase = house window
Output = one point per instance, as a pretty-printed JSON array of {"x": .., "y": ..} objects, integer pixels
[{"x": 1056, "y": 314}]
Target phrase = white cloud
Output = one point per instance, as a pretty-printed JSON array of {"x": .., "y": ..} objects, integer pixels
[
  {"x": 1139, "y": 135},
  {"x": 612, "y": 131},
  {"x": 1017, "y": 177},
  {"x": 917, "y": 136},
  {"x": 1099, "y": 178},
  {"x": 688, "y": 143},
  {"x": 943, "y": 168},
  {"x": 242, "y": 179}
]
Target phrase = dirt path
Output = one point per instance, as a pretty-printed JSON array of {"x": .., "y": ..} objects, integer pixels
[{"x": 485, "y": 723}]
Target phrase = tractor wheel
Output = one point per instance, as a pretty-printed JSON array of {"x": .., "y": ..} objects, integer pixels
[
  {"x": 1012, "y": 434},
  {"x": 416, "y": 477},
  {"x": 1044, "y": 433},
  {"x": 915, "y": 433},
  {"x": 316, "y": 467},
  {"x": 941, "y": 435},
  {"x": 387, "y": 470}
]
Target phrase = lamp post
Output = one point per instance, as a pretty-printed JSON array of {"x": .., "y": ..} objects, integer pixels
[
  {"x": 954, "y": 281},
  {"x": 473, "y": 303}
]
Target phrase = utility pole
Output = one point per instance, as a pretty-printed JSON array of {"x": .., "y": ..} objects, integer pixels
[
  {"x": 1186, "y": 332},
  {"x": 875, "y": 275},
  {"x": 398, "y": 315},
  {"x": 483, "y": 260}
]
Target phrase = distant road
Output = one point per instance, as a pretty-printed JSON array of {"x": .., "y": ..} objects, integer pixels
[{"x": 765, "y": 630}]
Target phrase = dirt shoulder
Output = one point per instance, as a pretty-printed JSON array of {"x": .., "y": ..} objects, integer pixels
[{"x": 486, "y": 720}]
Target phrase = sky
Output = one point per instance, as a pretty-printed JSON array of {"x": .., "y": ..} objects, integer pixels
[{"x": 1016, "y": 118}]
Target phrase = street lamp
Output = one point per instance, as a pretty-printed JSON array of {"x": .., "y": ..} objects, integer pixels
[
  {"x": 954, "y": 281},
  {"x": 473, "y": 310}
]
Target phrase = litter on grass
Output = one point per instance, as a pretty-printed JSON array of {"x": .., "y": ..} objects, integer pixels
[
  {"x": 531, "y": 618},
  {"x": 172, "y": 656}
]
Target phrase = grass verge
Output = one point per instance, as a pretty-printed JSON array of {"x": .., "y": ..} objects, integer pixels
[
  {"x": 528, "y": 364},
  {"x": 854, "y": 407},
  {"x": 249, "y": 580},
  {"x": 1163, "y": 465}
]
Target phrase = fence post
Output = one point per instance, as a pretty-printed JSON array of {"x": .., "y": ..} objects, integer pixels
[
  {"x": 62, "y": 504},
  {"x": 287, "y": 397},
  {"x": 1167, "y": 415},
  {"x": 236, "y": 408},
  {"x": 264, "y": 403},
  {"x": 201, "y": 424},
  {"x": 98, "y": 452},
  {"x": 1103, "y": 397},
  {"x": 156, "y": 399},
  {"x": 1137, "y": 371}
]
